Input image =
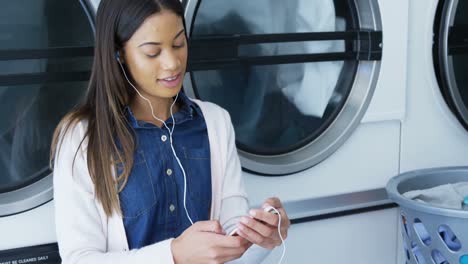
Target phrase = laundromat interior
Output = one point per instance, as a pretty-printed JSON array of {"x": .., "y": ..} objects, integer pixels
[{"x": 330, "y": 100}]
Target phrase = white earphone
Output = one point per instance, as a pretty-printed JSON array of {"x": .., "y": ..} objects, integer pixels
[
  {"x": 117, "y": 57},
  {"x": 268, "y": 209}
]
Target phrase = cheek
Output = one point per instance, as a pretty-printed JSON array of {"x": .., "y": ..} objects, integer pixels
[
  {"x": 183, "y": 56},
  {"x": 145, "y": 69}
]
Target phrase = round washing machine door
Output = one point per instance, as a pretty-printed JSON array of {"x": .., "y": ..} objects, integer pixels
[
  {"x": 296, "y": 76},
  {"x": 451, "y": 55},
  {"x": 46, "y": 49}
]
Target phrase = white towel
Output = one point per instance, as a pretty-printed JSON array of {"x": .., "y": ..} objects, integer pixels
[
  {"x": 311, "y": 86},
  {"x": 446, "y": 196}
]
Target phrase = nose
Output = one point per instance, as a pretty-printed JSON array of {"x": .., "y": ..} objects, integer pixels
[{"x": 170, "y": 61}]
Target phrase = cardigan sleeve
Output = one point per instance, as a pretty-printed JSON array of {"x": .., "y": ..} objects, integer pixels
[
  {"x": 234, "y": 203},
  {"x": 81, "y": 233},
  {"x": 234, "y": 200}
]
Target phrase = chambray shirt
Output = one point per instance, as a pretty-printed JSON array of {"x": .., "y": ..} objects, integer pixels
[{"x": 152, "y": 199}]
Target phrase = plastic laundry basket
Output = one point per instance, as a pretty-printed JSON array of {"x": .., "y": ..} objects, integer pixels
[{"x": 431, "y": 234}]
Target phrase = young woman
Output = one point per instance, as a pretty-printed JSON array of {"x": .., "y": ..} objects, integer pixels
[{"x": 141, "y": 172}]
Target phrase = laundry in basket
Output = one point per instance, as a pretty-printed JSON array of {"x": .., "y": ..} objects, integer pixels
[{"x": 449, "y": 195}]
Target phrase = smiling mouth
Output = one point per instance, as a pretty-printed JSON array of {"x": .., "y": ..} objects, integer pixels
[{"x": 169, "y": 79}]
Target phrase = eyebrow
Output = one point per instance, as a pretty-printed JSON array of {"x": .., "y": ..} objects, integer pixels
[{"x": 159, "y": 43}]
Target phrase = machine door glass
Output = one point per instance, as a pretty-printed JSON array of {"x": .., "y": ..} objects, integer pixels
[
  {"x": 296, "y": 76},
  {"x": 451, "y": 55},
  {"x": 46, "y": 49}
]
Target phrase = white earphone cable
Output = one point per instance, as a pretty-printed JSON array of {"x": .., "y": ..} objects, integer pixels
[
  {"x": 170, "y": 135},
  {"x": 281, "y": 236},
  {"x": 180, "y": 164}
]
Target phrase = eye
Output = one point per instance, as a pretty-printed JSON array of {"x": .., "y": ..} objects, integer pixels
[
  {"x": 152, "y": 55},
  {"x": 179, "y": 46}
]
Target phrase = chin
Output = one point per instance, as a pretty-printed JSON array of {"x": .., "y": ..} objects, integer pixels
[{"x": 167, "y": 92}]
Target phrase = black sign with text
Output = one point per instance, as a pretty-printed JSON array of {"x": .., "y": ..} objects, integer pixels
[{"x": 43, "y": 254}]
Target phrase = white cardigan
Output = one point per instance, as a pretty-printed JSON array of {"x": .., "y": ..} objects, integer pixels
[{"x": 86, "y": 235}]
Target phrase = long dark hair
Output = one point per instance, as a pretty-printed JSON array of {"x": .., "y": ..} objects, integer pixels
[{"x": 107, "y": 95}]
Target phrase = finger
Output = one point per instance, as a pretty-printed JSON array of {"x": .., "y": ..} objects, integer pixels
[
  {"x": 228, "y": 241},
  {"x": 269, "y": 218},
  {"x": 284, "y": 233},
  {"x": 254, "y": 237},
  {"x": 259, "y": 227},
  {"x": 285, "y": 222},
  {"x": 243, "y": 243},
  {"x": 209, "y": 226},
  {"x": 249, "y": 234},
  {"x": 272, "y": 201}
]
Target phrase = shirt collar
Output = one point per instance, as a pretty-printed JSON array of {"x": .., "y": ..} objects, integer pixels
[{"x": 186, "y": 112}]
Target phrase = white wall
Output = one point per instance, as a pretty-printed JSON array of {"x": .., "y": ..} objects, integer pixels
[
  {"x": 367, "y": 238},
  {"x": 34, "y": 227}
]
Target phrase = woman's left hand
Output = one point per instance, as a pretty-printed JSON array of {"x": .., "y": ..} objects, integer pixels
[{"x": 262, "y": 227}]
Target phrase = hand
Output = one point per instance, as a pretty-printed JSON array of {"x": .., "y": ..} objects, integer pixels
[
  {"x": 206, "y": 242},
  {"x": 262, "y": 227}
]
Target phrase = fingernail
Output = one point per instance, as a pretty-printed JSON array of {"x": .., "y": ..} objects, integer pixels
[
  {"x": 252, "y": 213},
  {"x": 244, "y": 220}
]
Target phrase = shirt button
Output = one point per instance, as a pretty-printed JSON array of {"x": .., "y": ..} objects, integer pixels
[
  {"x": 172, "y": 208},
  {"x": 164, "y": 138},
  {"x": 169, "y": 172}
]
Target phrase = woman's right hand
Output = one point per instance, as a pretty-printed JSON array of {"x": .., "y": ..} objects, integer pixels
[{"x": 205, "y": 242}]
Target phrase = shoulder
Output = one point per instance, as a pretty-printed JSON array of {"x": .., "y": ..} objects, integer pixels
[
  {"x": 74, "y": 129},
  {"x": 72, "y": 135}
]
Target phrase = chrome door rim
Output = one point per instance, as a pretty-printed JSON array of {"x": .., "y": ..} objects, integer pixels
[
  {"x": 27, "y": 198},
  {"x": 447, "y": 60},
  {"x": 340, "y": 129}
]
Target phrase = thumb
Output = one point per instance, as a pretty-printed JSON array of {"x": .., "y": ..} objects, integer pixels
[{"x": 209, "y": 226}]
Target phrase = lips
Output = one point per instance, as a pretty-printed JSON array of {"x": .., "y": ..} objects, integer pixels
[{"x": 171, "y": 81}]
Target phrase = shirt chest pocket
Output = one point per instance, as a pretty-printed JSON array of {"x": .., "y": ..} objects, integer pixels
[
  {"x": 197, "y": 165},
  {"x": 139, "y": 196}
]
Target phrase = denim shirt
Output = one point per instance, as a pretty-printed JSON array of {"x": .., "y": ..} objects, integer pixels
[{"x": 152, "y": 200}]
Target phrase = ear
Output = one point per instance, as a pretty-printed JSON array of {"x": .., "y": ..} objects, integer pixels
[{"x": 119, "y": 56}]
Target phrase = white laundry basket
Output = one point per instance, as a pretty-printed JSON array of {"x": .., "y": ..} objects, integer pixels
[{"x": 431, "y": 234}]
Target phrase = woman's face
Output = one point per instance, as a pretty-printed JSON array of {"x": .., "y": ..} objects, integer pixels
[{"x": 156, "y": 55}]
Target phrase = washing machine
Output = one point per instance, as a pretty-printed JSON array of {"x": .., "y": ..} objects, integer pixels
[
  {"x": 436, "y": 119},
  {"x": 46, "y": 49},
  {"x": 316, "y": 92},
  {"x": 434, "y": 130}
]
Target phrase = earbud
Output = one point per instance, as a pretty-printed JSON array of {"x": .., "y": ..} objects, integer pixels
[{"x": 117, "y": 56}]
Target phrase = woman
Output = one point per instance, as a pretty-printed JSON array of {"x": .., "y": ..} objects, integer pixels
[{"x": 141, "y": 172}]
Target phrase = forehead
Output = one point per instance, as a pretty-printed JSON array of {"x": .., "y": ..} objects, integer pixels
[{"x": 159, "y": 27}]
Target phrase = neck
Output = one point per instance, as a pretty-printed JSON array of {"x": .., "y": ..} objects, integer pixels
[{"x": 161, "y": 109}]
